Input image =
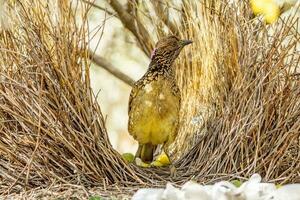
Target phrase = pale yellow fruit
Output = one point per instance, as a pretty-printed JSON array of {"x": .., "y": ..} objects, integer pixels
[
  {"x": 268, "y": 8},
  {"x": 163, "y": 159},
  {"x": 140, "y": 163},
  {"x": 258, "y": 6},
  {"x": 272, "y": 12}
]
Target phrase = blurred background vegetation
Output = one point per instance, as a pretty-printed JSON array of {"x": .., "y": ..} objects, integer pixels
[{"x": 118, "y": 46}]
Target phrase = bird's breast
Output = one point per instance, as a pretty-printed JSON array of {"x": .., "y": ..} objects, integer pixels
[{"x": 154, "y": 112}]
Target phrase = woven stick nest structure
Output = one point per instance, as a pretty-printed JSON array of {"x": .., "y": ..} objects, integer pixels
[{"x": 240, "y": 90}]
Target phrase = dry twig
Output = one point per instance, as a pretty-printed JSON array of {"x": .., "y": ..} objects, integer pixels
[{"x": 102, "y": 62}]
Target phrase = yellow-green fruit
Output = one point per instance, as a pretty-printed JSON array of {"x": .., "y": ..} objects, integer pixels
[
  {"x": 236, "y": 183},
  {"x": 163, "y": 159},
  {"x": 272, "y": 13},
  {"x": 129, "y": 157}
]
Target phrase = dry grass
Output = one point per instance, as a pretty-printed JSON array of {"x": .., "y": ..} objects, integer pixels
[
  {"x": 51, "y": 126},
  {"x": 240, "y": 110},
  {"x": 75, "y": 192}
]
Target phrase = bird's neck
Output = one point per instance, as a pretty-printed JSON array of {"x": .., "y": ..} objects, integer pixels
[
  {"x": 163, "y": 65},
  {"x": 161, "y": 60}
]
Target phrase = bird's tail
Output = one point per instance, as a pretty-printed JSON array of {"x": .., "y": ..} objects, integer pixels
[{"x": 147, "y": 151}]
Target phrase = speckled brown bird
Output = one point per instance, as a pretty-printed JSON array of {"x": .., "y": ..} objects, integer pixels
[{"x": 154, "y": 101}]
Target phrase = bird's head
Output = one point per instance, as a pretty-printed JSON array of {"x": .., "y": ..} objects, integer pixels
[{"x": 167, "y": 49}]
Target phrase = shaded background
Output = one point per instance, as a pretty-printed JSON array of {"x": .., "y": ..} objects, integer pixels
[{"x": 119, "y": 48}]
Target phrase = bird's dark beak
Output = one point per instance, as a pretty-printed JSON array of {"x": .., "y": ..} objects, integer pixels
[{"x": 185, "y": 42}]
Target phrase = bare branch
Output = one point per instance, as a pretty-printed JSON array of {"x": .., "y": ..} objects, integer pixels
[
  {"x": 132, "y": 6},
  {"x": 134, "y": 25},
  {"x": 103, "y": 63},
  {"x": 98, "y": 7},
  {"x": 163, "y": 15}
]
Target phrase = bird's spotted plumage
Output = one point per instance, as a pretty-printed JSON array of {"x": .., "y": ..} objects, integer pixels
[{"x": 154, "y": 101}]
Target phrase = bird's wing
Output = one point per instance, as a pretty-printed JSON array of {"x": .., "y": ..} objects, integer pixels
[
  {"x": 132, "y": 95},
  {"x": 137, "y": 85}
]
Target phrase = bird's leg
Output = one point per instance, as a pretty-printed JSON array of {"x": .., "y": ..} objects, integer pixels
[
  {"x": 138, "y": 156},
  {"x": 139, "y": 151},
  {"x": 144, "y": 154},
  {"x": 147, "y": 152}
]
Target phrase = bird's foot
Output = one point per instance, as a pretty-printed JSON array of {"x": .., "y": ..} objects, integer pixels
[
  {"x": 162, "y": 160},
  {"x": 140, "y": 163}
]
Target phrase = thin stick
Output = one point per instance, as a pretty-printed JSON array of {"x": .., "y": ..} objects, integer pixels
[
  {"x": 99, "y": 7},
  {"x": 103, "y": 63}
]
